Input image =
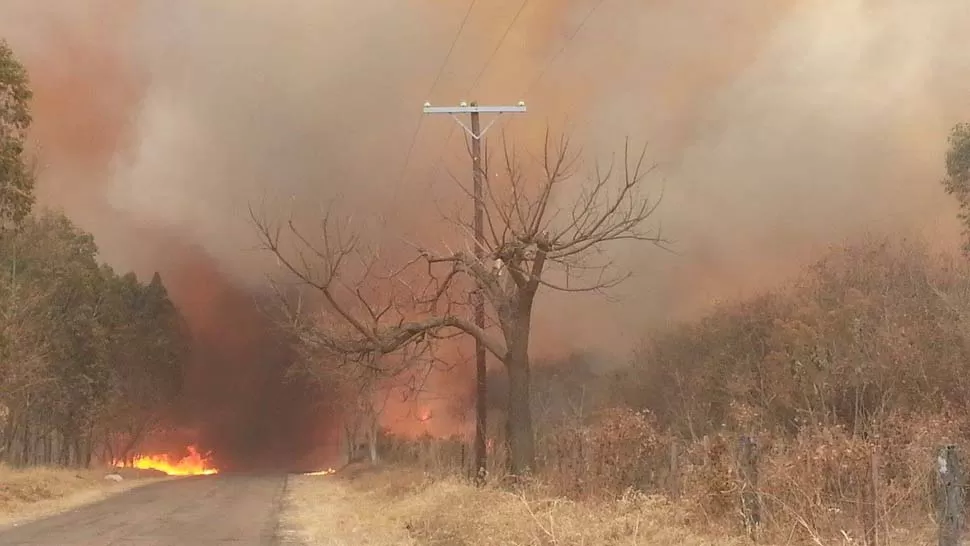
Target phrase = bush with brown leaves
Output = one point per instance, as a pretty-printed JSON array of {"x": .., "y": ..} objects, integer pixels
[{"x": 621, "y": 449}]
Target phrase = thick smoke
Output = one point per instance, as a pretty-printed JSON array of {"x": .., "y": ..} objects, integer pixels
[{"x": 778, "y": 127}]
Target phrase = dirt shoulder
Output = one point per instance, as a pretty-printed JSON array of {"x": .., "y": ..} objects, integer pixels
[
  {"x": 396, "y": 506},
  {"x": 192, "y": 511},
  {"x": 32, "y": 493}
]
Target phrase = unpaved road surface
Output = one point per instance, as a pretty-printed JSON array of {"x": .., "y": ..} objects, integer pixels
[{"x": 224, "y": 510}]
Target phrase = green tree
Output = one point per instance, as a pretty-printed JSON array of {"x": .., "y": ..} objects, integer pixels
[
  {"x": 90, "y": 358},
  {"x": 16, "y": 176},
  {"x": 62, "y": 260},
  {"x": 57, "y": 262},
  {"x": 86, "y": 356},
  {"x": 145, "y": 342},
  {"x": 957, "y": 180}
]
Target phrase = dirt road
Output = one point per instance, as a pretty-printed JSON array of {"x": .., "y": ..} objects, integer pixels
[{"x": 241, "y": 510}]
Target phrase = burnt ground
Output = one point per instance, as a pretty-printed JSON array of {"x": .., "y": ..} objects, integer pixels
[{"x": 198, "y": 511}]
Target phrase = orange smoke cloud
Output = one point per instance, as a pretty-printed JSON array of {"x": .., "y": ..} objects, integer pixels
[
  {"x": 86, "y": 88},
  {"x": 779, "y": 127}
]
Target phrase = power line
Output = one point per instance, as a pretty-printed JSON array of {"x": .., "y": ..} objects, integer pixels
[
  {"x": 501, "y": 41},
  {"x": 569, "y": 40},
  {"x": 461, "y": 28},
  {"x": 541, "y": 74},
  {"x": 434, "y": 83},
  {"x": 508, "y": 30}
]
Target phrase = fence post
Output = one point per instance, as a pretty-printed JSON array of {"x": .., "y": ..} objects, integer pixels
[
  {"x": 951, "y": 496},
  {"x": 673, "y": 471},
  {"x": 870, "y": 505},
  {"x": 750, "y": 505},
  {"x": 464, "y": 469}
]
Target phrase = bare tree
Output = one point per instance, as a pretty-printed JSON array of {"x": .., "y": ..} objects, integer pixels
[
  {"x": 366, "y": 392},
  {"x": 362, "y": 384},
  {"x": 533, "y": 241}
]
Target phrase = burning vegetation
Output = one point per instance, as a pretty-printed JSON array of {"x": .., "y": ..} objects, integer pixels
[
  {"x": 98, "y": 365},
  {"x": 844, "y": 375},
  {"x": 193, "y": 464},
  {"x": 326, "y": 472}
]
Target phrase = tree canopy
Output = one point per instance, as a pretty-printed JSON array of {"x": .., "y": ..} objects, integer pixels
[
  {"x": 16, "y": 176},
  {"x": 89, "y": 358}
]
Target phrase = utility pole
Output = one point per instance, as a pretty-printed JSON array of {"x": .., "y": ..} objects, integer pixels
[{"x": 476, "y": 133}]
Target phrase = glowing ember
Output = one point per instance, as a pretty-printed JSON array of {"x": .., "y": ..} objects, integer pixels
[
  {"x": 192, "y": 465},
  {"x": 321, "y": 472}
]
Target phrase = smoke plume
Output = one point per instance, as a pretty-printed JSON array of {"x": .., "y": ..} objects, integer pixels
[{"x": 778, "y": 127}]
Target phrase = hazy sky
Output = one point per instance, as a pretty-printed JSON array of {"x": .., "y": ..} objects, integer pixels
[{"x": 779, "y": 127}]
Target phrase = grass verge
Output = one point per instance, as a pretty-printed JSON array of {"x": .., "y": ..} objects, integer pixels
[
  {"x": 384, "y": 506},
  {"x": 31, "y": 493}
]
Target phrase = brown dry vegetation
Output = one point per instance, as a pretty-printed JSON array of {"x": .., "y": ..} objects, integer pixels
[
  {"x": 41, "y": 491},
  {"x": 398, "y": 506},
  {"x": 859, "y": 364},
  {"x": 395, "y": 505}
]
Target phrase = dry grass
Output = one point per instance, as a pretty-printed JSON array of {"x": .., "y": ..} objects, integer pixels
[
  {"x": 398, "y": 506},
  {"x": 31, "y": 493},
  {"x": 849, "y": 381},
  {"x": 380, "y": 506}
]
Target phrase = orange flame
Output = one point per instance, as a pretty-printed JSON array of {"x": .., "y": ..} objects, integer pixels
[
  {"x": 326, "y": 472},
  {"x": 194, "y": 464}
]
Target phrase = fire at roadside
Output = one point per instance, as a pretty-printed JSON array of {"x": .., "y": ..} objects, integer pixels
[
  {"x": 193, "y": 464},
  {"x": 326, "y": 472}
]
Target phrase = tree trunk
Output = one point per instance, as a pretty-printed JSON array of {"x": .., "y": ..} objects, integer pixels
[
  {"x": 88, "y": 446},
  {"x": 351, "y": 442},
  {"x": 108, "y": 453},
  {"x": 521, "y": 441},
  {"x": 372, "y": 439},
  {"x": 25, "y": 455},
  {"x": 134, "y": 438},
  {"x": 10, "y": 434}
]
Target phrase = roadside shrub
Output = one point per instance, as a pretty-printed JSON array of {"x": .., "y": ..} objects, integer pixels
[{"x": 619, "y": 450}]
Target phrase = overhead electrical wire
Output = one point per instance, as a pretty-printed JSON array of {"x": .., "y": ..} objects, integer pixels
[
  {"x": 475, "y": 82},
  {"x": 499, "y": 45},
  {"x": 434, "y": 83},
  {"x": 569, "y": 40},
  {"x": 508, "y": 30},
  {"x": 461, "y": 29}
]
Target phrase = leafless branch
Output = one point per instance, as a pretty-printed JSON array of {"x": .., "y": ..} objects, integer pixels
[
  {"x": 547, "y": 227},
  {"x": 329, "y": 275}
]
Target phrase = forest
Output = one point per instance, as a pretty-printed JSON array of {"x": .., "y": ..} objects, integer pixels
[{"x": 91, "y": 359}]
